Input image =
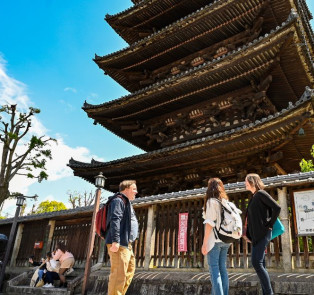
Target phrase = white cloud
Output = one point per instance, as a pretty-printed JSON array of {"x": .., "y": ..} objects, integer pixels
[
  {"x": 70, "y": 89},
  {"x": 11, "y": 90},
  {"x": 61, "y": 153},
  {"x": 14, "y": 92}
]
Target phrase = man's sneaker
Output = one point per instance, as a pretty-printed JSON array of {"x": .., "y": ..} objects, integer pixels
[{"x": 48, "y": 286}]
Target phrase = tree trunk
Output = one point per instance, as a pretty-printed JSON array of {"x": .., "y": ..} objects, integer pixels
[{"x": 4, "y": 193}]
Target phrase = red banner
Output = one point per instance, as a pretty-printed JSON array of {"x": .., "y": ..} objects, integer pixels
[{"x": 183, "y": 231}]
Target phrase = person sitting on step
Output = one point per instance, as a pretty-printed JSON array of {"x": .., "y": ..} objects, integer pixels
[
  {"x": 66, "y": 259},
  {"x": 53, "y": 267}
]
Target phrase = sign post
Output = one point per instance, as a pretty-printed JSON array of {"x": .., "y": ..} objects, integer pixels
[{"x": 183, "y": 231}]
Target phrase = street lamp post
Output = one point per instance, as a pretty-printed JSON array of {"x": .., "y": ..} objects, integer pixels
[
  {"x": 19, "y": 203},
  {"x": 99, "y": 183}
]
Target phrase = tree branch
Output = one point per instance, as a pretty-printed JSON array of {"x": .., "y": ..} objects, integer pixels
[{"x": 26, "y": 130}]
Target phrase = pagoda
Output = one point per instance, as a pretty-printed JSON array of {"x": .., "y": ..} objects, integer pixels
[{"x": 217, "y": 89}]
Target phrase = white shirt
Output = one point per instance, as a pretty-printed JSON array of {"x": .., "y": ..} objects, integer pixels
[
  {"x": 213, "y": 217},
  {"x": 53, "y": 265}
]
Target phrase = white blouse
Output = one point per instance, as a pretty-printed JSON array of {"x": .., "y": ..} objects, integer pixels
[{"x": 213, "y": 217}]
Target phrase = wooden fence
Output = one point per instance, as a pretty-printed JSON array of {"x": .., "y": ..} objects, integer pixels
[
  {"x": 33, "y": 232},
  {"x": 139, "y": 244},
  {"x": 166, "y": 241},
  {"x": 74, "y": 234},
  {"x": 159, "y": 249}
]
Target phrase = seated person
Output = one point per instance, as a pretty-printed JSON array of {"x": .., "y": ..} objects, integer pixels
[
  {"x": 32, "y": 262},
  {"x": 67, "y": 261},
  {"x": 52, "y": 273},
  {"x": 39, "y": 272}
]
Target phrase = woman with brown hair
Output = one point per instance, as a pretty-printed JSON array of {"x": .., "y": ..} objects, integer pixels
[
  {"x": 262, "y": 213},
  {"x": 66, "y": 259},
  {"x": 215, "y": 249}
]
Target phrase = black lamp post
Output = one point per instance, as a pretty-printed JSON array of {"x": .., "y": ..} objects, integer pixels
[
  {"x": 99, "y": 183},
  {"x": 19, "y": 203}
]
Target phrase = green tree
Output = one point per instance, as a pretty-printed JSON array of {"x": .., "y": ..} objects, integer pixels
[
  {"x": 49, "y": 206},
  {"x": 22, "y": 153},
  {"x": 307, "y": 165}
]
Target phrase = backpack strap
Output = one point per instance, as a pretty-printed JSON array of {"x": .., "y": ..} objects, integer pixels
[
  {"x": 117, "y": 195},
  {"x": 222, "y": 217}
]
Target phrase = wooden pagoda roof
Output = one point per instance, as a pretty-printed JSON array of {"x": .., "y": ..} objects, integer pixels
[
  {"x": 209, "y": 80},
  {"x": 214, "y": 23},
  {"x": 148, "y": 16},
  {"x": 271, "y": 133},
  {"x": 306, "y": 16}
]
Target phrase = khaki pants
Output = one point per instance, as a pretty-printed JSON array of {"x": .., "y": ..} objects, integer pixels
[{"x": 122, "y": 270}]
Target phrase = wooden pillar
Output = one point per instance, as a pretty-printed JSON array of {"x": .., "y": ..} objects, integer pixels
[
  {"x": 52, "y": 224},
  {"x": 286, "y": 240},
  {"x": 150, "y": 236},
  {"x": 101, "y": 251},
  {"x": 17, "y": 244}
]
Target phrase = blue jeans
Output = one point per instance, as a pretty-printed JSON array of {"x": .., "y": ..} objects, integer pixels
[
  {"x": 217, "y": 261},
  {"x": 258, "y": 262},
  {"x": 40, "y": 274}
]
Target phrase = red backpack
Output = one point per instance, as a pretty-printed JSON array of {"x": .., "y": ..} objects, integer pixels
[{"x": 101, "y": 217}]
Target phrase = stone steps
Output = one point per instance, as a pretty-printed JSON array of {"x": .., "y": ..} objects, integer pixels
[
  {"x": 14, "y": 290},
  {"x": 168, "y": 282},
  {"x": 20, "y": 285}
]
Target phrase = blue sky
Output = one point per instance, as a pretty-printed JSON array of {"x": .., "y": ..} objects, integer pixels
[{"x": 46, "y": 51}]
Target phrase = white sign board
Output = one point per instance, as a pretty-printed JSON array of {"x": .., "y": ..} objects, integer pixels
[{"x": 304, "y": 212}]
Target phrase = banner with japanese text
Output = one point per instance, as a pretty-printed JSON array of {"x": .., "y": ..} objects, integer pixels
[{"x": 183, "y": 231}]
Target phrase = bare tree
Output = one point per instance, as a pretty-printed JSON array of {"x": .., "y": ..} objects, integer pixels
[
  {"x": 78, "y": 199},
  {"x": 14, "y": 126}
]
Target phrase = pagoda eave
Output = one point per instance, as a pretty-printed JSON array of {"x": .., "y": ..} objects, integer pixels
[
  {"x": 145, "y": 17},
  {"x": 250, "y": 52},
  {"x": 189, "y": 27},
  {"x": 232, "y": 71},
  {"x": 194, "y": 30},
  {"x": 269, "y": 134}
]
